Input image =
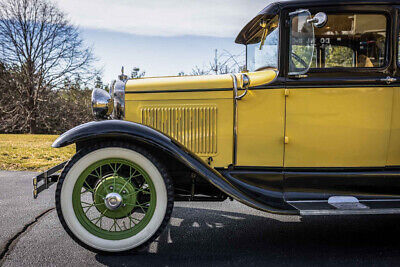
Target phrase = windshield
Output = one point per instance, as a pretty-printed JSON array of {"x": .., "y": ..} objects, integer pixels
[{"x": 262, "y": 53}]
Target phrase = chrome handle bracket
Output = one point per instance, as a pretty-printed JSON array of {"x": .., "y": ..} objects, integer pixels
[
  {"x": 235, "y": 86},
  {"x": 242, "y": 95},
  {"x": 388, "y": 80}
]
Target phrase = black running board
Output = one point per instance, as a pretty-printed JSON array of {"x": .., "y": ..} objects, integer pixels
[{"x": 347, "y": 206}]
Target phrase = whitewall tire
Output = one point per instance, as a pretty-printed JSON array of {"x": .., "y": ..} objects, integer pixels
[{"x": 118, "y": 174}]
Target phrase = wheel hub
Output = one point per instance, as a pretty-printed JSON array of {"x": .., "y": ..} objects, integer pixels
[
  {"x": 115, "y": 197},
  {"x": 113, "y": 201}
]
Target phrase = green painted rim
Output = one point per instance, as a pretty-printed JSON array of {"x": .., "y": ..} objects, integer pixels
[
  {"x": 115, "y": 184},
  {"x": 120, "y": 176}
]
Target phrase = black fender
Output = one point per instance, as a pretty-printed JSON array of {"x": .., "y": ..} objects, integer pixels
[{"x": 136, "y": 132}]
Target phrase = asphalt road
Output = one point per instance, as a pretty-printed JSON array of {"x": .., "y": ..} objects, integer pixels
[{"x": 200, "y": 234}]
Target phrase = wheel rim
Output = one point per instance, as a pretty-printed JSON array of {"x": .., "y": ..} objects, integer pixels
[{"x": 114, "y": 199}]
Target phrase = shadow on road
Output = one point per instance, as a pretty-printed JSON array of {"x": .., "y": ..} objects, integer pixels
[{"x": 210, "y": 237}]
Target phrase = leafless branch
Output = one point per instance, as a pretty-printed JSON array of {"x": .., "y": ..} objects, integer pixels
[{"x": 42, "y": 49}]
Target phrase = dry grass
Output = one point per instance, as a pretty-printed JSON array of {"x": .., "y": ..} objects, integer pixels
[{"x": 31, "y": 152}]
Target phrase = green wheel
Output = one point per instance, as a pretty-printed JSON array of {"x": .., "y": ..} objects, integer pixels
[{"x": 114, "y": 197}]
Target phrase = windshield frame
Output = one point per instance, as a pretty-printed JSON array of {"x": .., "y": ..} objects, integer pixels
[{"x": 271, "y": 19}]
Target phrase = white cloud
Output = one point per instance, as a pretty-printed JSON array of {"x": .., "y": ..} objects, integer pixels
[{"x": 219, "y": 18}]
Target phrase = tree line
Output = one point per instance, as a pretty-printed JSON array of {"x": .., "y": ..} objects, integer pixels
[
  {"x": 47, "y": 73},
  {"x": 44, "y": 69}
]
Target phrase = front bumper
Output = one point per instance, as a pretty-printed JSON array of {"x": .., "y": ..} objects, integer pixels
[{"x": 46, "y": 179}]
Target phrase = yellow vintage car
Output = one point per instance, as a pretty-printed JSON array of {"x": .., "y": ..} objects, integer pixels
[{"x": 312, "y": 127}]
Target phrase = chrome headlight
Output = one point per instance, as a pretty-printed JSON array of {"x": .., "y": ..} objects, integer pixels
[
  {"x": 102, "y": 104},
  {"x": 118, "y": 93}
]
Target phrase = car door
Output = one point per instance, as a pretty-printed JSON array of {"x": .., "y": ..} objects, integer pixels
[
  {"x": 338, "y": 116},
  {"x": 260, "y": 122},
  {"x": 261, "y": 113},
  {"x": 393, "y": 160},
  {"x": 260, "y": 118}
]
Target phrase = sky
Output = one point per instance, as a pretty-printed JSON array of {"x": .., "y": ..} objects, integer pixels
[{"x": 162, "y": 37}]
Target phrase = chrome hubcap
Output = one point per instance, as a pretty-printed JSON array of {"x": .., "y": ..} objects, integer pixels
[{"x": 113, "y": 201}]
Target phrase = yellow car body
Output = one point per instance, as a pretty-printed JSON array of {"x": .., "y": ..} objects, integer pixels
[
  {"x": 312, "y": 127},
  {"x": 308, "y": 127},
  {"x": 198, "y": 112}
]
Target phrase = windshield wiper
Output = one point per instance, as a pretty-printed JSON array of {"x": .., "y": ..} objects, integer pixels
[{"x": 263, "y": 25}]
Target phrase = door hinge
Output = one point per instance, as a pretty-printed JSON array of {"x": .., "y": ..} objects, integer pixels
[
  {"x": 389, "y": 80},
  {"x": 287, "y": 92},
  {"x": 297, "y": 76},
  {"x": 286, "y": 140},
  {"x": 287, "y": 22}
]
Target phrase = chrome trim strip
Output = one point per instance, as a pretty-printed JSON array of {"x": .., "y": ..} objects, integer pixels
[
  {"x": 349, "y": 212},
  {"x": 235, "y": 116},
  {"x": 180, "y": 91}
]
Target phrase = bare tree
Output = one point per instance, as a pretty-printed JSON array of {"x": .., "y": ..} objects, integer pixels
[
  {"x": 43, "y": 49},
  {"x": 223, "y": 63},
  {"x": 226, "y": 62},
  {"x": 199, "y": 71}
]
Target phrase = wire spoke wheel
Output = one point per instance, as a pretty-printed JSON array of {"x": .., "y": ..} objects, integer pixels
[{"x": 114, "y": 199}]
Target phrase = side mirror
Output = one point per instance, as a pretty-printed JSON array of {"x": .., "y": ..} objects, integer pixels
[{"x": 319, "y": 20}]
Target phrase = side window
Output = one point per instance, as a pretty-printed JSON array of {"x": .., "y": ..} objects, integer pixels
[
  {"x": 351, "y": 40},
  {"x": 339, "y": 56},
  {"x": 398, "y": 45}
]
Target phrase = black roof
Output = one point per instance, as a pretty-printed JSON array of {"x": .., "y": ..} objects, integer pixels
[
  {"x": 285, "y": 3},
  {"x": 274, "y": 8}
]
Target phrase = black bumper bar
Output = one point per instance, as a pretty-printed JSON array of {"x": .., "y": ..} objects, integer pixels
[{"x": 47, "y": 178}]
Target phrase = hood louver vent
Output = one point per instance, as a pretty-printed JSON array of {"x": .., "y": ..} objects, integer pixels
[{"x": 194, "y": 126}]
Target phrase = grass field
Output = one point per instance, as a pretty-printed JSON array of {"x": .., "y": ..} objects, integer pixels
[{"x": 31, "y": 152}]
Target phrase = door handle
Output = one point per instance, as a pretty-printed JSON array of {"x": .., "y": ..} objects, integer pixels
[{"x": 388, "y": 80}]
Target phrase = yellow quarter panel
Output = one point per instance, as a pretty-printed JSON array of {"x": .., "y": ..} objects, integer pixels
[
  {"x": 394, "y": 146},
  {"x": 261, "y": 118},
  {"x": 201, "y": 121},
  {"x": 338, "y": 127}
]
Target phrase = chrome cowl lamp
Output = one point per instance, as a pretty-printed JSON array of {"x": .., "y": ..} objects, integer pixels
[
  {"x": 118, "y": 94},
  {"x": 102, "y": 104},
  {"x": 110, "y": 105}
]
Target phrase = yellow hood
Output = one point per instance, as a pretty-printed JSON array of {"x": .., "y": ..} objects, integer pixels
[{"x": 197, "y": 82}]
